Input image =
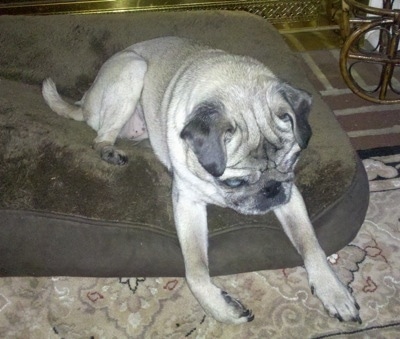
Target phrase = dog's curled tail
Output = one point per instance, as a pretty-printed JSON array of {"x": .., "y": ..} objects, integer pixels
[{"x": 57, "y": 104}]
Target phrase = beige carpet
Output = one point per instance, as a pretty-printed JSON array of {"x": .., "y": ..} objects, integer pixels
[{"x": 64, "y": 307}]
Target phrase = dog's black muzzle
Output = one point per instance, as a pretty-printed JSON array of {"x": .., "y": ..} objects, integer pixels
[
  {"x": 274, "y": 193},
  {"x": 272, "y": 189}
]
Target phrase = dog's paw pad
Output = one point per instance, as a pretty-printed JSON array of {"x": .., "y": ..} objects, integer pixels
[
  {"x": 113, "y": 156},
  {"x": 122, "y": 159},
  {"x": 239, "y": 308},
  {"x": 248, "y": 314}
]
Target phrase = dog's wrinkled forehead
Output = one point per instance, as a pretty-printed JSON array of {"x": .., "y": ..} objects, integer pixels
[
  {"x": 246, "y": 130},
  {"x": 270, "y": 123}
]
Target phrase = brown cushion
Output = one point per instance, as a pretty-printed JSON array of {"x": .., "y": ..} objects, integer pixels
[{"x": 63, "y": 211}]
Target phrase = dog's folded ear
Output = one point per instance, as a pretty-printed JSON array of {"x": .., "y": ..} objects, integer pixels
[
  {"x": 300, "y": 103},
  {"x": 205, "y": 134}
]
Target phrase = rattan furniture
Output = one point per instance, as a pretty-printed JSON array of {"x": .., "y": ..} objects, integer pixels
[{"x": 380, "y": 59}]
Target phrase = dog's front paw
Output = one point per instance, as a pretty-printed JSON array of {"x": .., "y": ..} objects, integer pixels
[
  {"x": 239, "y": 309},
  {"x": 336, "y": 299},
  {"x": 221, "y": 306},
  {"x": 113, "y": 156}
]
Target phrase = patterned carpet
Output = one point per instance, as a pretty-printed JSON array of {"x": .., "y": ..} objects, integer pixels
[{"x": 64, "y": 307}]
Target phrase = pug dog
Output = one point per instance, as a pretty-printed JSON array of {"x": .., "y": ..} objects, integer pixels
[{"x": 229, "y": 131}]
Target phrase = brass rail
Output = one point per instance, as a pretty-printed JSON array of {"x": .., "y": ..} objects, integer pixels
[{"x": 276, "y": 11}]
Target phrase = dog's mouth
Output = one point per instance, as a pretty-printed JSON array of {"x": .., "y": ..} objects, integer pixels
[
  {"x": 275, "y": 193},
  {"x": 272, "y": 194}
]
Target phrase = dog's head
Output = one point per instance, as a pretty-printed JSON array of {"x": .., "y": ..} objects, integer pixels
[{"x": 248, "y": 141}]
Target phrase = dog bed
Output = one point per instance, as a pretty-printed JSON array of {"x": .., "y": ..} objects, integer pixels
[{"x": 63, "y": 211}]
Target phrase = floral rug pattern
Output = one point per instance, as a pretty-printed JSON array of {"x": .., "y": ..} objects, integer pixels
[{"x": 66, "y": 307}]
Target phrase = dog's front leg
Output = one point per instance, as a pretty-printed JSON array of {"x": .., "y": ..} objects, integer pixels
[
  {"x": 335, "y": 297},
  {"x": 191, "y": 224}
]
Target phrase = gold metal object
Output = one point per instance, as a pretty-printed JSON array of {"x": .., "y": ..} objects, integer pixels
[
  {"x": 359, "y": 20},
  {"x": 276, "y": 11}
]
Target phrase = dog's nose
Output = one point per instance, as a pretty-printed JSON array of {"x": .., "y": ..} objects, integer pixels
[{"x": 272, "y": 189}]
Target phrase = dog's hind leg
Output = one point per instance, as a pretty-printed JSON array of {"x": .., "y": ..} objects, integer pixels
[{"x": 118, "y": 88}]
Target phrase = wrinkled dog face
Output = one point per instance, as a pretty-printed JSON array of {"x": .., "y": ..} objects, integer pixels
[{"x": 249, "y": 141}]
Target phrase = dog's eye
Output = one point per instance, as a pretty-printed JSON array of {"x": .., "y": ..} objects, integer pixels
[
  {"x": 286, "y": 117},
  {"x": 234, "y": 182}
]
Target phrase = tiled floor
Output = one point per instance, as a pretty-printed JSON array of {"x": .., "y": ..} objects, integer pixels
[{"x": 313, "y": 40}]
